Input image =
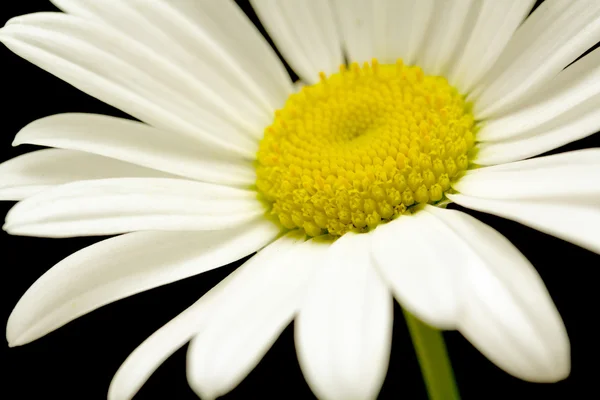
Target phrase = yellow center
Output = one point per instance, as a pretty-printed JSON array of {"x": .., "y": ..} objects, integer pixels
[{"x": 362, "y": 146}]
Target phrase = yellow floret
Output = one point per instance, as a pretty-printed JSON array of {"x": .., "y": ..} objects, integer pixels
[{"x": 361, "y": 146}]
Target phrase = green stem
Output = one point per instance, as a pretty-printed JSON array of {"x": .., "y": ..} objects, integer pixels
[{"x": 433, "y": 358}]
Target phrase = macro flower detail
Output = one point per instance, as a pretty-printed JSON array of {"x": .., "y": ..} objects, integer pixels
[
  {"x": 339, "y": 183},
  {"x": 362, "y": 146}
]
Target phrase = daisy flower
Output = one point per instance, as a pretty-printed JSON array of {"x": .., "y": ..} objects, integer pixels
[{"x": 340, "y": 184}]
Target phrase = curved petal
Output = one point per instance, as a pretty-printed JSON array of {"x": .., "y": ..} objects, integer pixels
[
  {"x": 122, "y": 266},
  {"x": 553, "y": 36},
  {"x": 448, "y": 27},
  {"x": 384, "y": 29},
  {"x": 418, "y": 258},
  {"x": 119, "y": 71},
  {"x": 508, "y": 314},
  {"x": 577, "y": 123},
  {"x": 30, "y": 173},
  {"x": 247, "y": 324},
  {"x": 137, "y": 143},
  {"x": 343, "y": 331},
  {"x": 110, "y": 206},
  {"x": 564, "y": 179},
  {"x": 155, "y": 350},
  {"x": 305, "y": 33},
  {"x": 213, "y": 41},
  {"x": 576, "y": 223},
  {"x": 493, "y": 26},
  {"x": 144, "y": 360},
  {"x": 568, "y": 90}
]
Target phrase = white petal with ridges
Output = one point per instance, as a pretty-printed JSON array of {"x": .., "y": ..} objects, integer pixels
[
  {"x": 419, "y": 259},
  {"x": 555, "y": 34},
  {"x": 577, "y": 123},
  {"x": 110, "y": 206},
  {"x": 590, "y": 157},
  {"x": 122, "y": 266},
  {"x": 305, "y": 34},
  {"x": 384, "y": 29},
  {"x": 568, "y": 90},
  {"x": 30, "y": 173},
  {"x": 507, "y": 314},
  {"x": 575, "y": 223},
  {"x": 343, "y": 331},
  {"x": 493, "y": 26},
  {"x": 247, "y": 324},
  {"x": 137, "y": 143},
  {"x": 567, "y": 178},
  {"x": 448, "y": 27},
  {"x": 214, "y": 41},
  {"x": 119, "y": 71}
]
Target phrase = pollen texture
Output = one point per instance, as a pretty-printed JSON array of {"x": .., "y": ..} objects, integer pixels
[{"x": 362, "y": 146}]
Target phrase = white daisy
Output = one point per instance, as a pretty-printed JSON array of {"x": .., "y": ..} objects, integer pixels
[{"x": 358, "y": 166}]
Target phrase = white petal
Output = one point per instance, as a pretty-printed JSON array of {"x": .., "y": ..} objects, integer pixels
[
  {"x": 582, "y": 157},
  {"x": 343, "y": 331},
  {"x": 576, "y": 223},
  {"x": 123, "y": 73},
  {"x": 555, "y": 34},
  {"x": 305, "y": 33},
  {"x": 566, "y": 179},
  {"x": 213, "y": 41},
  {"x": 420, "y": 260},
  {"x": 508, "y": 314},
  {"x": 110, "y": 206},
  {"x": 148, "y": 356},
  {"x": 448, "y": 28},
  {"x": 30, "y": 173},
  {"x": 568, "y": 90},
  {"x": 250, "y": 320},
  {"x": 384, "y": 29},
  {"x": 137, "y": 143},
  {"x": 493, "y": 27},
  {"x": 575, "y": 124},
  {"x": 144, "y": 360},
  {"x": 122, "y": 266}
]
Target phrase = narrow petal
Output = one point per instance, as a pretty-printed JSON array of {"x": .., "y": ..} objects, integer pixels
[
  {"x": 577, "y": 157},
  {"x": 566, "y": 179},
  {"x": 139, "y": 144},
  {"x": 577, "y": 123},
  {"x": 343, "y": 331},
  {"x": 385, "y": 29},
  {"x": 493, "y": 26},
  {"x": 508, "y": 314},
  {"x": 122, "y": 266},
  {"x": 30, "y": 173},
  {"x": 449, "y": 25},
  {"x": 111, "y": 206},
  {"x": 419, "y": 259},
  {"x": 123, "y": 73},
  {"x": 555, "y": 34},
  {"x": 575, "y": 223},
  {"x": 148, "y": 356},
  {"x": 246, "y": 324},
  {"x": 568, "y": 90},
  {"x": 305, "y": 33},
  {"x": 213, "y": 41}
]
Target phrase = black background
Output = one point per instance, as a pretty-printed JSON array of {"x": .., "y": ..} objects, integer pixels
[{"x": 79, "y": 360}]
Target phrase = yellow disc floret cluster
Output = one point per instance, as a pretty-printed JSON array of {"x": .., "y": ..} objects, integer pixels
[{"x": 362, "y": 146}]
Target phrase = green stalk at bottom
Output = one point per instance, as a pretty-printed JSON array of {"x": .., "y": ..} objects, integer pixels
[{"x": 433, "y": 358}]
